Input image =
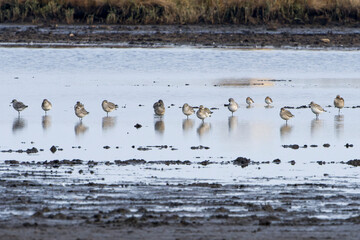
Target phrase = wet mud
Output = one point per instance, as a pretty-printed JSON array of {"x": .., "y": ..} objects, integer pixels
[
  {"x": 175, "y": 35},
  {"x": 45, "y": 200}
]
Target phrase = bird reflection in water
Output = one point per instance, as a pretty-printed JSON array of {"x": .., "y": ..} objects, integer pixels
[
  {"x": 285, "y": 130},
  {"x": 187, "y": 124},
  {"x": 233, "y": 123},
  {"x": 203, "y": 128},
  {"x": 18, "y": 124},
  {"x": 159, "y": 126},
  {"x": 46, "y": 122},
  {"x": 80, "y": 128},
  {"x": 108, "y": 122},
  {"x": 268, "y": 106},
  {"x": 339, "y": 125},
  {"x": 316, "y": 125}
]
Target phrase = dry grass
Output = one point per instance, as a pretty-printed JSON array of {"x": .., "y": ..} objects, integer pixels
[{"x": 180, "y": 11}]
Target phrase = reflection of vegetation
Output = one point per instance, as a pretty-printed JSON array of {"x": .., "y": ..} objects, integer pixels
[{"x": 180, "y": 11}]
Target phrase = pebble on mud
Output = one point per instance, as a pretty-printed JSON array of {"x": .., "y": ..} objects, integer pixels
[
  {"x": 326, "y": 145},
  {"x": 137, "y": 126}
]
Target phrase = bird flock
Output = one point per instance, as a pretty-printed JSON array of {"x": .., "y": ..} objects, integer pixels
[{"x": 202, "y": 113}]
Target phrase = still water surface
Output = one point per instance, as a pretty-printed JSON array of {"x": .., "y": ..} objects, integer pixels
[{"x": 136, "y": 78}]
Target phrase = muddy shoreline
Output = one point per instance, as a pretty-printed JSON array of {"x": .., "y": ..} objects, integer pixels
[
  {"x": 308, "y": 37},
  {"x": 71, "y": 200}
]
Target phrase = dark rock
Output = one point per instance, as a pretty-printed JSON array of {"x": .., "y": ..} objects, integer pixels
[
  {"x": 12, "y": 162},
  {"x": 264, "y": 222},
  {"x": 130, "y": 162},
  {"x": 243, "y": 162},
  {"x": 348, "y": 145},
  {"x": 137, "y": 126},
  {"x": 53, "y": 149},
  {"x": 32, "y": 150},
  {"x": 277, "y": 161},
  {"x": 205, "y": 162},
  {"x": 354, "y": 162},
  {"x": 326, "y": 145}
]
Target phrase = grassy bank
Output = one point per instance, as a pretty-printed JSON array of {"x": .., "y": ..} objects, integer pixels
[{"x": 180, "y": 11}]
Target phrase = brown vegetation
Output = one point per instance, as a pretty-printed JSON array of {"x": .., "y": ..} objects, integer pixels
[{"x": 180, "y": 11}]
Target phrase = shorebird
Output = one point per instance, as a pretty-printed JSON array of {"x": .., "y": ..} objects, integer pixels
[
  {"x": 285, "y": 114},
  {"x": 187, "y": 110},
  {"x": 80, "y": 111},
  {"x": 268, "y": 100},
  {"x": 339, "y": 102},
  {"x": 159, "y": 108},
  {"x": 108, "y": 106},
  {"x": 46, "y": 105},
  {"x": 78, "y": 104},
  {"x": 233, "y": 106},
  {"x": 249, "y": 101},
  {"x": 316, "y": 109},
  {"x": 203, "y": 113},
  {"x": 18, "y": 106}
]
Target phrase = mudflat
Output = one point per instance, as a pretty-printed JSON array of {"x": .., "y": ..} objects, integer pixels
[{"x": 296, "y": 36}]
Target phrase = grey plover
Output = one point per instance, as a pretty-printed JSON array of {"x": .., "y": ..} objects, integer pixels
[
  {"x": 285, "y": 114},
  {"x": 159, "y": 108},
  {"x": 339, "y": 102},
  {"x": 46, "y": 105},
  {"x": 78, "y": 104},
  {"x": 268, "y": 100},
  {"x": 316, "y": 109},
  {"x": 233, "y": 106},
  {"x": 249, "y": 101},
  {"x": 187, "y": 110},
  {"x": 203, "y": 113},
  {"x": 108, "y": 106},
  {"x": 18, "y": 106},
  {"x": 80, "y": 111}
]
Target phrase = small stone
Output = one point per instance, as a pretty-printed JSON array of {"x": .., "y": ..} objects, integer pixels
[
  {"x": 53, "y": 149},
  {"x": 277, "y": 161}
]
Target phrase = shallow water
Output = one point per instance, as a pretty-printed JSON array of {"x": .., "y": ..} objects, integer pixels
[
  {"x": 133, "y": 77},
  {"x": 136, "y": 78}
]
